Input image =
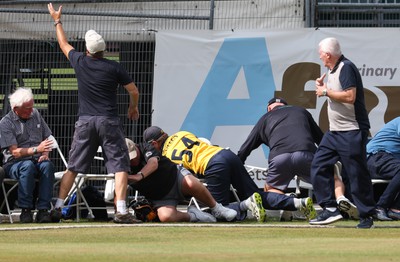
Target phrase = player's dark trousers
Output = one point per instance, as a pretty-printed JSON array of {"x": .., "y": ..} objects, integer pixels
[
  {"x": 226, "y": 168},
  {"x": 382, "y": 165},
  {"x": 349, "y": 148}
]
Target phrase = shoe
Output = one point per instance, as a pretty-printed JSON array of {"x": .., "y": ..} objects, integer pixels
[
  {"x": 256, "y": 207},
  {"x": 43, "y": 216},
  {"x": 395, "y": 215},
  {"x": 26, "y": 216},
  {"x": 307, "y": 208},
  {"x": 382, "y": 215},
  {"x": 240, "y": 214},
  {"x": 221, "y": 212},
  {"x": 55, "y": 215},
  {"x": 326, "y": 217},
  {"x": 367, "y": 222},
  {"x": 349, "y": 208},
  {"x": 197, "y": 215},
  {"x": 127, "y": 218}
]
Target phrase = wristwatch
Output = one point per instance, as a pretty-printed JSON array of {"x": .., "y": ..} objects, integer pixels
[
  {"x": 324, "y": 92},
  {"x": 34, "y": 150}
]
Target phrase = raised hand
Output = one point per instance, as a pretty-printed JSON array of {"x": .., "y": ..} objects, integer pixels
[{"x": 56, "y": 15}]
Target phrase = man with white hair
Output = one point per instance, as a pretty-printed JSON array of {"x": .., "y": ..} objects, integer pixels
[
  {"x": 26, "y": 147},
  {"x": 346, "y": 139},
  {"x": 99, "y": 123}
]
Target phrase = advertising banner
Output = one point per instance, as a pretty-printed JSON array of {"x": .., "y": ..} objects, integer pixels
[{"x": 216, "y": 84}]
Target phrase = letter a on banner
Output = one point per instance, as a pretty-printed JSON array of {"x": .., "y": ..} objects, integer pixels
[{"x": 213, "y": 107}]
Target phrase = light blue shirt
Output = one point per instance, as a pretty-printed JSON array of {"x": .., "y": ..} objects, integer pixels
[{"x": 387, "y": 139}]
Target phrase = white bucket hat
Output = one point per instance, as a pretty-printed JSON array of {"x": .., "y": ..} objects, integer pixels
[{"x": 94, "y": 42}]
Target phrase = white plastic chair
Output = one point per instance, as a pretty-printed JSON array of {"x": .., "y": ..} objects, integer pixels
[{"x": 80, "y": 181}]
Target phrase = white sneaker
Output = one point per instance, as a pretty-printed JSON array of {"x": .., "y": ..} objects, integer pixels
[
  {"x": 346, "y": 206},
  {"x": 200, "y": 216},
  {"x": 222, "y": 212},
  {"x": 256, "y": 207}
]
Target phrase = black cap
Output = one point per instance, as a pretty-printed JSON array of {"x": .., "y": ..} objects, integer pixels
[
  {"x": 152, "y": 133},
  {"x": 277, "y": 100}
]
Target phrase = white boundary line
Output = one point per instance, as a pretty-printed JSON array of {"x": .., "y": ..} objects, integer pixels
[
  {"x": 161, "y": 225},
  {"x": 112, "y": 225},
  {"x": 197, "y": 225}
]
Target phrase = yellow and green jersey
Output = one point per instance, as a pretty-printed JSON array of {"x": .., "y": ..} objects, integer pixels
[{"x": 186, "y": 149}]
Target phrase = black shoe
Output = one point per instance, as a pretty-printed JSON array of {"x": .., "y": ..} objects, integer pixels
[
  {"x": 381, "y": 214},
  {"x": 367, "y": 222},
  {"x": 393, "y": 214},
  {"x": 126, "y": 219},
  {"x": 55, "y": 215},
  {"x": 26, "y": 216},
  {"x": 43, "y": 216},
  {"x": 326, "y": 217}
]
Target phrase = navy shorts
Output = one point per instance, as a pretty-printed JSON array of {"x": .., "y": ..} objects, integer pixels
[{"x": 92, "y": 132}]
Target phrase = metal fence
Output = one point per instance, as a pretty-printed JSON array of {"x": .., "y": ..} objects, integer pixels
[
  {"x": 30, "y": 56},
  {"x": 357, "y": 13}
]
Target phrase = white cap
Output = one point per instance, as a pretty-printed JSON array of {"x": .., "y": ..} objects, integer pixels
[
  {"x": 131, "y": 148},
  {"x": 94, "y": 42}
]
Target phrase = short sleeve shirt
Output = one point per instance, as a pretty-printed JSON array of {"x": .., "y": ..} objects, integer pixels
[
  {"x": 346, "y": 116},
  {"x": 186, "y": 149},
  {"x": 22, "y": 133},
  {"x": 98, "y": 81},
  {"x": 387, "y": 139},
  {"x": 158, "y": 184}
]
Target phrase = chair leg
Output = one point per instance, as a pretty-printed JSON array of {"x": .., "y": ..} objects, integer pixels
[
  {"x": 6, "y": 201},
  {"x": 194, "y": 201},
  {"x": 79, "y": 196},
  {"x": 234, "y": 192},
  {"x": 298, "y": 191},
  {"x": 6, "y": 194}
]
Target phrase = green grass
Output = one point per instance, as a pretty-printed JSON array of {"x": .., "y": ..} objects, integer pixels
[{"x": 272, "y": 241}]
